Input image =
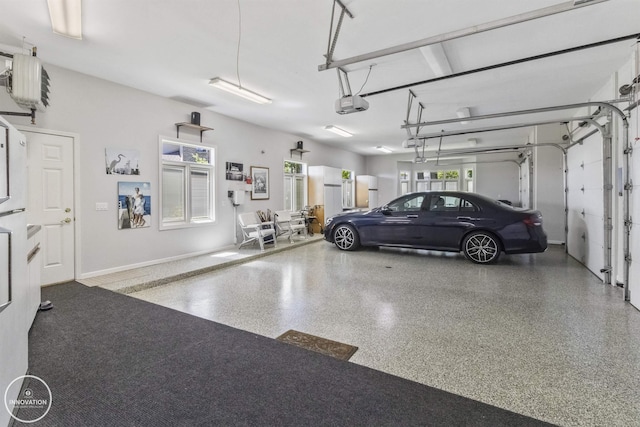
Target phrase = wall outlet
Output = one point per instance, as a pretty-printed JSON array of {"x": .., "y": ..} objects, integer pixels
[{"x": 103, "y": 206}]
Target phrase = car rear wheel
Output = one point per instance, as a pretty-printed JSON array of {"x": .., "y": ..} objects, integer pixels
[
  {"x": 481, "y": 247},
  {"x": 346, "y": 238}
]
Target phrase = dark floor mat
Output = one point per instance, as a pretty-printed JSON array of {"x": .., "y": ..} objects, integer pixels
[{"x": 320, "y": 345}]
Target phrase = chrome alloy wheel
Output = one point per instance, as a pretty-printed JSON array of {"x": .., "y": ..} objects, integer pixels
[
  {"x": 346, "y": 238},
  {"x": 481, "y": 248}
]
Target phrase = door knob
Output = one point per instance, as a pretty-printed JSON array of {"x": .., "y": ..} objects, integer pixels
[
  {"x": 66, "y": 221},
  {"x": 67, "y": 210}
]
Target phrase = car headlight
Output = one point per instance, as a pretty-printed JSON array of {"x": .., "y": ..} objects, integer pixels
[{"x": 328, "y": 221}]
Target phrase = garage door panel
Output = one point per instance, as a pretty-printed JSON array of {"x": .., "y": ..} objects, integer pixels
[
  {"x": 592, "y": 204},
  {"x": 592, "y": 149},
  {"x": 635, "y": 173},
  {"x": 575, "y": 198},
  {"x": 594, "y": 259},
  {"x": 595, "y": 227},
  {"x": 575, "y": 242},
  {"x": 574, "y": 161},
  {"x": 592, "y": 177},
  {"x": 585, "y": 204}
]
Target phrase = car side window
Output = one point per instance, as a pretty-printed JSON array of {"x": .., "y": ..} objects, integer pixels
[
  {"x": 444, "y": 203},
  {"x": 412, "y": 203},
  {"x": 467, "y": 206}
]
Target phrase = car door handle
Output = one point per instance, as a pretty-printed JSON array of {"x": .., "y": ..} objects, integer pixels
[
  {"x": 465, "y": 218},
  {"x": 412, "y": 216}
]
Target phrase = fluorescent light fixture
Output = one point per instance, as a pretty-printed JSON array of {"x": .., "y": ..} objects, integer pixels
[
  {"x": 239, "y": 91},
  {"x": 384, "y": 149},
  {"x": 66, "y": 17},
  {"x": 338, "y": 131},
  {"x": 436, "y": 59},
  {"x": 463, "y": 113}
]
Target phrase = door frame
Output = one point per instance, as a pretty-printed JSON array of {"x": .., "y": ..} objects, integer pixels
[{"x": 77, "y": 267}]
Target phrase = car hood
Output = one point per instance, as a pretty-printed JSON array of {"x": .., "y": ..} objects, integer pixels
[{"x": 355, "y": 214}]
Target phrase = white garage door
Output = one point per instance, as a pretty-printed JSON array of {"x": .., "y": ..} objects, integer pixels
[{"x": 585, "y": 240}]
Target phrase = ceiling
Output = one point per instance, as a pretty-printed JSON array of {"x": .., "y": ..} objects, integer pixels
[{"x": 172, "y": 48}]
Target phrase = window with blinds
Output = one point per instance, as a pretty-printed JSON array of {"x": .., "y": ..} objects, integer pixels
[{"x": 187, "y": 184}]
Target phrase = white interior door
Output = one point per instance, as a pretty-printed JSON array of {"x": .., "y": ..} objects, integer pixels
[{"x": 51, "y": 197}]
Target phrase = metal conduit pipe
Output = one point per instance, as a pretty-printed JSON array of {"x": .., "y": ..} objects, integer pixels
[
  {"x": 519, "y": 113},
  {"x": 491, "y": 150},
  {"x": 626, "y": 202},
  {"x": 492, "y": 128}
]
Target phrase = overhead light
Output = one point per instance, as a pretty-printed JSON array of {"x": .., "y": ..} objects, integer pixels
[
  {"x": 384, "y": 149},
  {"x": 463, "y": 113},
  {"x": 338, "y": 131},
  {"x": 66, "y": 17},
  {"x": 436, "y": 59},
  {"x": 239, "y": 91}
]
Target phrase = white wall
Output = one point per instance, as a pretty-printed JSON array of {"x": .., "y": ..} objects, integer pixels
[
  {"x": 106, "y": 114},
  {"x": 499, "y": 180},
  {"x": 491, "y": 179},
  {"x": 549, "y": 181},
  {"x": 386, "y": 169}
]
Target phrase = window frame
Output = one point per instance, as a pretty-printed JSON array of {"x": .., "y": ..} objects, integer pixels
[
  {"x": 188, "y": 170},
  {"x": 294, "y": 176}
]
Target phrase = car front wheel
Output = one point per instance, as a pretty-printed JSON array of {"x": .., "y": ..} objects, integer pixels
[
  {"x": 481, "y": 248},
  {"x": 346, "y": 238}
]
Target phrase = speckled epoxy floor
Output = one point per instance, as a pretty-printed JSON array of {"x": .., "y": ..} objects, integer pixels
[{"x": 535, "y": 334}]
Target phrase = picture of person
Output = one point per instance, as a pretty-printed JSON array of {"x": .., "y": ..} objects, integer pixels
[
  {"x": 138, "y": 209},
  {"x": 134, "y": 205}
]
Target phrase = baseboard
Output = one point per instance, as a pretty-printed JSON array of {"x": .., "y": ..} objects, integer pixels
[{"x": 152, "y": 262}]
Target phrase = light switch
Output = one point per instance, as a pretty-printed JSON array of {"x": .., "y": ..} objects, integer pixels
[{"x": 103, "y": 206}]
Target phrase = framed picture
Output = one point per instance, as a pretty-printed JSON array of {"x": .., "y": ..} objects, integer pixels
[
  {"x": 234, "y": 171},
  {"x": 122, "y": 161},
  {"x": 260, "y": 183},
  {"x": 134, "y": 205}
]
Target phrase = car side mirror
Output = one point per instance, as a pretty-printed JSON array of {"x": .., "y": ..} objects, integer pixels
[{"x": 386, "y": 210}]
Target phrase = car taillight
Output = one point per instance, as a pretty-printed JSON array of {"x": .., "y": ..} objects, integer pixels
[{"x": 533, "y": 221}]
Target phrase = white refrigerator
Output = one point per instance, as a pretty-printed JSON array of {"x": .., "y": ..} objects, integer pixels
[
  {"x": 14, "y": 297},
  {"x": 366, "y": 191}
]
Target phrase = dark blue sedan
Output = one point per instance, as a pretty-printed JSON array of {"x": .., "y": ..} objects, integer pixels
[{"x": 480, "y": 227}]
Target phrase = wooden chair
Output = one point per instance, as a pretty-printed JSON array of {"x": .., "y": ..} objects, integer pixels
[
  {"x": 254, "y": 230},
  {"x": 289, "y": 225}
]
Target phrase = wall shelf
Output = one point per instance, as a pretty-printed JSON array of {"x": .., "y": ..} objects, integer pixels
[
  {"x": 299, "y": 151},
  {"x": 202, "y": 129}
]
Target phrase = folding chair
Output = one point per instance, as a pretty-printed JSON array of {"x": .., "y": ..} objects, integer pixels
[
  {"x": 289, "y": 225},
  {"x": 253, "y": 230}
]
